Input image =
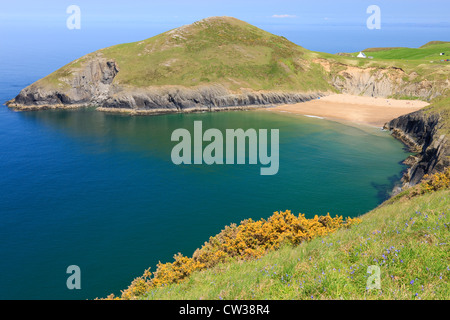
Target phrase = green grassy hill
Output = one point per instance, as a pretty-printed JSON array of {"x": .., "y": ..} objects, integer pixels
[
  {"x": 408, "y": 239},
  {"x": 216, "y": 50},
  {"x": 235, "y": 54},
  {"x": 238, "y": 58}
]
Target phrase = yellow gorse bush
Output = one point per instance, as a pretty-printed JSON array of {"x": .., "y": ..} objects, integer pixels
[
  {"x": 251, "y": 239},
  {"x": 167, "y": 273},
  {"x": 435, "y": 182},
  {"x": 248, "y": 240}
]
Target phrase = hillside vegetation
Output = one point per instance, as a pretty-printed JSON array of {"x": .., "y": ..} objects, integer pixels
[
  {"x": 408, "y": 240},
  {"x": 219, "y": 50},
  {"x": 220, "y": 63},
  {"x": 407, "y": 237},
  {"x": 247, "y": 241},
  {"x": 238, "y": 55}
]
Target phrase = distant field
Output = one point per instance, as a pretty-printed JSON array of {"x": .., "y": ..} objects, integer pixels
[{"x": 427, "y": 52}]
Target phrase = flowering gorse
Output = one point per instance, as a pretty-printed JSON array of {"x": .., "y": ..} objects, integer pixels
[
  {"x": 435, "y": 182},
  {"x": 248, "y": 240}
]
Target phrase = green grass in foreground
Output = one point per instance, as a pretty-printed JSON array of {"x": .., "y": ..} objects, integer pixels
[{"x": 408, "y": 239}]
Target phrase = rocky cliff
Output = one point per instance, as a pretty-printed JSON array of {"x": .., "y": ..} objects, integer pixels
[
  {"x": 204, "y": 98},
  {"x": 420, "y": 132},
  {"x": 386, "y": 81},
  {"x": 383, "y": 82},
  {"x": 212, "y": 64},
  {"x": 91, "y": 84}
]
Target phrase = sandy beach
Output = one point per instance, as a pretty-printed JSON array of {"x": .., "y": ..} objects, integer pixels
[{"x": 361, "y": 110}]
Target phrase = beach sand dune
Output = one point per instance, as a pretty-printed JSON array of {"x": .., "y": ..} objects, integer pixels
[{"x": 357, "y": 109}]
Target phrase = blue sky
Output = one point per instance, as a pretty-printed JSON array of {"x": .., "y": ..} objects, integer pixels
[{"x": 321, "y": 25}]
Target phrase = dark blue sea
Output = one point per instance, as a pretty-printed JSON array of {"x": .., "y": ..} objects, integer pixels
[{"x": 100, "y": 191}]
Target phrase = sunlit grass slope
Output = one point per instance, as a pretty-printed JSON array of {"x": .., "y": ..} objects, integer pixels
[
  {"x": 216, "y": 50},
  {"x": 407, "y": 237}
]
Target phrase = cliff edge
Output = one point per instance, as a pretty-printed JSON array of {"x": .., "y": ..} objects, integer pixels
[{"x": 422, "y": 132}]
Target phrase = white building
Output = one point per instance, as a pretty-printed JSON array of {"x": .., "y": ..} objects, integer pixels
[{"x": 361, "y": 55}]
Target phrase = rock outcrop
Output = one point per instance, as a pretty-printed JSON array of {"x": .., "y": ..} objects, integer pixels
[
  {"x": 90, "y": 84},
  {"x": 384, "y": 82},
  {"x": 204, "y": 98},
  {"x": 420, "y": 132},
  {"x": 381, "y": 82}
]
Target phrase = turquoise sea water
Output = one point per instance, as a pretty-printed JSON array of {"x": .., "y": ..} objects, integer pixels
[{"x": 100, "y": 191}]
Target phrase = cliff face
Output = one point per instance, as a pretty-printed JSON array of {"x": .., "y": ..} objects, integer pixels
[
  {"x": 213, "y": 64},
  {"x": 89, "y": 84},
  {"x": 420, "y": 132},
  {"x": 381, "y": 81},
  {"x": 384, "y": 82},
  {"x": 92, "y": 85},
  {"x": 208, "y": 98}
]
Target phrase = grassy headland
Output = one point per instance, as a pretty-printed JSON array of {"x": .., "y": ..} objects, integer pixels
[
  {"x": 217, "y": 50},
  {"x": 222, "y": 62}
]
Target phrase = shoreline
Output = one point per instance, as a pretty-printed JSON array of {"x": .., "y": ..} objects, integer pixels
[
  {"x": 344, "y": 108},
  {"x": 370, "y": 111}
]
